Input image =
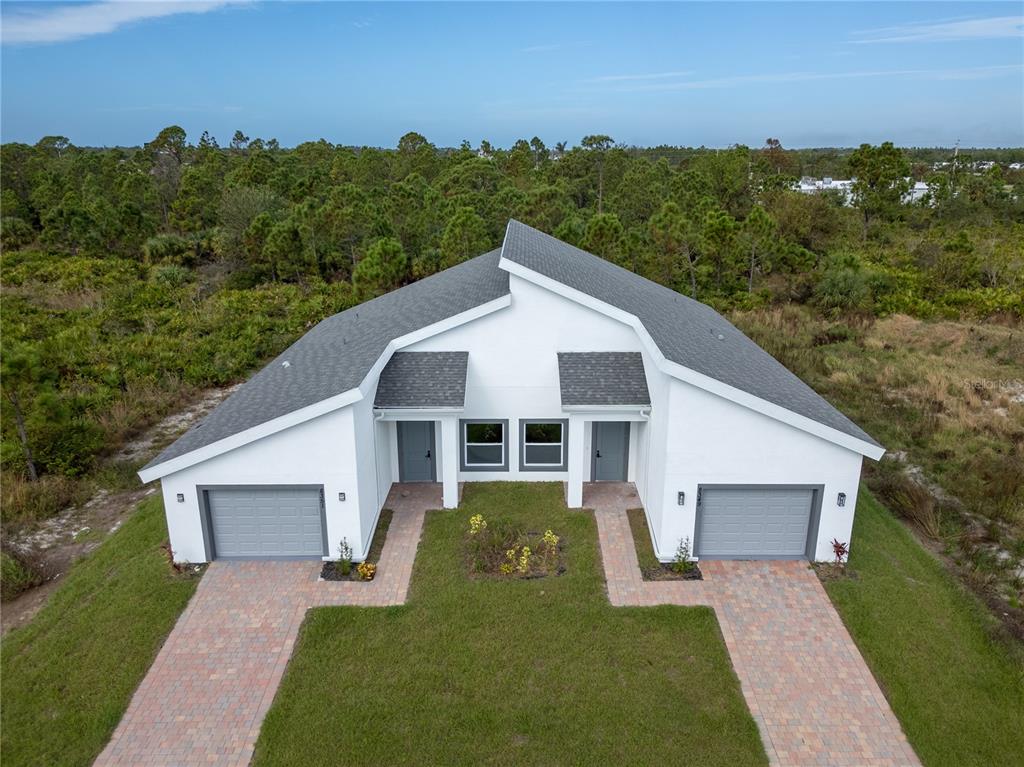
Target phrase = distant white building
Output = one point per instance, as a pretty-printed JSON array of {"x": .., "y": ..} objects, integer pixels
[
  {"x": 917, "y": 192},
  {"x": 808, "y": 185}
]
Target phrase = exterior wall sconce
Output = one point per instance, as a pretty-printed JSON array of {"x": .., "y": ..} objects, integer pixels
[
  {"x": 341, "y": 497},
  {"x": 681, "y": 498},
  {"x": 841, "y": 500},
  {"x": 181, "y": 497}
]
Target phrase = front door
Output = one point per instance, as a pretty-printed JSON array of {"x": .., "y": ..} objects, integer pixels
[
  {"x": 416, "y": 451},
  {"x": 610, "y": 450}
]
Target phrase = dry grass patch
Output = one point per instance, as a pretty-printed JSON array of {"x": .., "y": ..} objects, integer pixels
[{"x": 947, "y": 400}]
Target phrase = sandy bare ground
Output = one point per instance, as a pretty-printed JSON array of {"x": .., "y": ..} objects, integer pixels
[{"x": 78, "y": 530}]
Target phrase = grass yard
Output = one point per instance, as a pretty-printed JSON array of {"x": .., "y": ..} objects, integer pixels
[
  {"x": 487, "y": 671},
  {"x": 69, "y": 674},
  {"x": 958, "y": 693}
]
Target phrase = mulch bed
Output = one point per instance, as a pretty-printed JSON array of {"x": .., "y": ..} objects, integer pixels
[
  {"x": 666, "y": 573},
  {"x": 330, "y": 572},
  {"x": 831, "y": 571},
  {"x": 486, "y": 554}
]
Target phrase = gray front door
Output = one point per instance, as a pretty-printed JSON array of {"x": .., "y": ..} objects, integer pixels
[
  {"x": 416, "y": 451},
  {"x": 610, "y": 451},
  {"x": 256, "y": 522},
  {"x": 754, "y": 522}
]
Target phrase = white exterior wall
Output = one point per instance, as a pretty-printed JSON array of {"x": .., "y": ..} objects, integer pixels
[
  {"x": 693, "y": 437},
  {"x": 513, "y": 363},
  {"x": 712, "y": 441},
  {"x": 650, "y": 465},
  {"x": 318, "y": 452},
  {"x": 373, "y": 471}
]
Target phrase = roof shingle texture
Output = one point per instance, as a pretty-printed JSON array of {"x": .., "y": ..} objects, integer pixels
[
  {"x": 602, "y": 378},
  {"x": 423, "y": 379},
  {"x": 687, "y": 332},
  {"x": 338, "y": 352},
  {"x": 336, "y": 355}
]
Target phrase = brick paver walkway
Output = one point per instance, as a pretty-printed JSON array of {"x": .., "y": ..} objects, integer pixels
[
  {"x": 806, "y": 684},
  {"x": 207, "y": 692}
]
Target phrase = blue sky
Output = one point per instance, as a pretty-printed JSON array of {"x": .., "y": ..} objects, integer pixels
[{"x": 811, "y": 74}]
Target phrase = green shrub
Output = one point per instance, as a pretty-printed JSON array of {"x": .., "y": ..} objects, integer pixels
[
  {"x": 344, "y": 563},
  {"x": 17, "y": 574},
  {"x": 681, "y": 562},
  {"x": 172, "y": 275},
  {"x": 170, "y": 248},
  {"x": 844, "y": 287},
  {"x": 15, "y": 233}
]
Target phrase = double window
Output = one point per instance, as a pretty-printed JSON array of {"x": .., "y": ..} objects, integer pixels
[
  {"x": 484, "y": 445},
  {"x": 542, "y": 445}
]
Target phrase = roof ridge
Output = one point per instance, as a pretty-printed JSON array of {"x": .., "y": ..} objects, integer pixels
[
  {"x": 675, "y": 294},
  {"x": 677, "y": 325}
]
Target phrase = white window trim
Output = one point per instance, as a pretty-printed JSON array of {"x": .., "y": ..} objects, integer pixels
[
  {"x": 560, "y": 443},
  {"x": 466, "y": 444}
]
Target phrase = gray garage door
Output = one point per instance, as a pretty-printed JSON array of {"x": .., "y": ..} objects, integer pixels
[
  {"x": 754, "y": 522},
  {"x": 266, "y": 522}
]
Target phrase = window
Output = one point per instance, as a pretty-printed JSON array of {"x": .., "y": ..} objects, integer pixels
[
  {"x": 543, "y": 445},
  {"x": 484, "y": 446}
]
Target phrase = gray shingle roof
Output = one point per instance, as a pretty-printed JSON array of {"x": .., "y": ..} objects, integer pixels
[
  {"x": 423, "y": 379},
  {"x": 687, "y": 332},
  {"x": 602, "y": 378},
  {"x": 338, "y": 352}
]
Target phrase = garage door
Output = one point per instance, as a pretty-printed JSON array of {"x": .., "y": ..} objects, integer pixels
[
  {"x": 754, "y": 522},
  {"x": 266, "y": 522}
]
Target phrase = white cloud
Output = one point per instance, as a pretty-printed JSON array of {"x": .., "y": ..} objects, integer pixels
[
  {"x": 945, "y": 31},
  {"x": 649, "y": 76},
  {"x": 967, "y": 73},
  {"x": 56, "y": 24}
]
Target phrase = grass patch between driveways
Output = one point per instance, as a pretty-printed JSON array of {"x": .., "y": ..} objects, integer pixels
[
  {"x": 957, "y": 691},
  {"x": 69, "y": 674},
  {"x": 482, "y": 671}
]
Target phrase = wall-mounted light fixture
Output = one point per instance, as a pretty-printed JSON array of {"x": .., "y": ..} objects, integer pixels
[
  {"x": 341, "y": 497},
  {"x": 841, "y": 500},
  {"x": 181, "y": 497},
  {"x": 681, "y": 498}
]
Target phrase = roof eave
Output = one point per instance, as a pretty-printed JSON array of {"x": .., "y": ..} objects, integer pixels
[{"x": 154, "y": 471}]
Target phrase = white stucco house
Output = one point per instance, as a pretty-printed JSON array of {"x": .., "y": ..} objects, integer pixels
[{"x": 534, "y": 362}]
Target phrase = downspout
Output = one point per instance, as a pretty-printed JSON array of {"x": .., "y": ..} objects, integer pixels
[
  {"x": 377, "y": 417},
  {"x": 647, "y": 467}
]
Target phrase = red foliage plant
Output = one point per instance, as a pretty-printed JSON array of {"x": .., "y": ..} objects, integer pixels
[{"x": 841, "y": 550}]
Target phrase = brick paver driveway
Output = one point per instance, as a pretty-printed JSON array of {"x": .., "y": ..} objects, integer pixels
[
  {"x": 207, "y": 692},
  {"x": 807, "y": 686}
]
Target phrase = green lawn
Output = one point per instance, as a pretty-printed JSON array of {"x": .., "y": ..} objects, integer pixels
[
  {"x": 642, "y": 541},
  {"x": 69, "y": 674},
  {"x": 958, "y": 693},
  {"x": 490, "y": 671}
]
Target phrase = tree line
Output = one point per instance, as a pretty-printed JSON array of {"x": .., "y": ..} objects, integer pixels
[{"x": 133, "y": 273}]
